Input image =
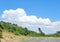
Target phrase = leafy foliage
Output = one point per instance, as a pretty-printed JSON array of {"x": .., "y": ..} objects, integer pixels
[
  {"x": 0, "y": 33},
  {"x": 41, "y": 32},
  {"x": 17, "y": 30}
]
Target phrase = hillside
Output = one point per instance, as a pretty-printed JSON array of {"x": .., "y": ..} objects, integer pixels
[
  {"x": 10, "y": 37},
  {"x": 13, "y": 33},
  {"x": 18, "y": 30}
]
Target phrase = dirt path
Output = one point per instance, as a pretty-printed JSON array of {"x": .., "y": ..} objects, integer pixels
[
  {"x": 9, "y": 37},
  {"x": 34, "y": 39}
]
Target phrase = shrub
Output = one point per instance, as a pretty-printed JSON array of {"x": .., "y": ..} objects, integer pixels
[{"x": 0, "y": 33}]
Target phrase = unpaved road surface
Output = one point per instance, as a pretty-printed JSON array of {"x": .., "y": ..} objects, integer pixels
[{"x": 34, "y": 39}]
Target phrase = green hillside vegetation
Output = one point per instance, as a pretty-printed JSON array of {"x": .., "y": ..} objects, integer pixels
[
  {"x": 18, "y": 30},
  {"x": 57, "y": 34}
]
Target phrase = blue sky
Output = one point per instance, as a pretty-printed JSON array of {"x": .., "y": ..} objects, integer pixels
[{"x": 40, "y": 8}]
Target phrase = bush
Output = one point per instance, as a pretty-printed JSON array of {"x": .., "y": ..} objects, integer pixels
[
  {"x": 0, "y": 33},
  {"x": 18, "y": 30}
]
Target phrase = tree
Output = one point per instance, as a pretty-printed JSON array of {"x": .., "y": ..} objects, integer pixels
[
  {"x": 1, "y": 26},
  {"x": 26, "y": 31},
  {"x": 58, "y": 32},
  {"x": 41, "y": 31}
]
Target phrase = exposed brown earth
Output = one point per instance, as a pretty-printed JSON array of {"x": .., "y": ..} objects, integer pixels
[{"x": 9, "y": 37}]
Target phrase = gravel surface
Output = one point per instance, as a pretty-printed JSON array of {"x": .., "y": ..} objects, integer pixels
[{"x": 34, "y": 39}]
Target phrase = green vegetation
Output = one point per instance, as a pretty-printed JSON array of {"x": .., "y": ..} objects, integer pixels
[
  {"x": 0, "y": 33},
  {"x": 57, "y": 34},
  {"x": 18, "y": 30},
  {"x": 42, "y": 34}
]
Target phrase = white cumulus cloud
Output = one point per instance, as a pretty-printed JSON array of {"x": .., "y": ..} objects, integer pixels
[{"x": 20, "y": 17}]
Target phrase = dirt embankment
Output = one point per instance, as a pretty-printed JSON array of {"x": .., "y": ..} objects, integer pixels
[{"x": 9, "y": 37}]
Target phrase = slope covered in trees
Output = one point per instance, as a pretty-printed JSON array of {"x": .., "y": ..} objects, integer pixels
[{"x": 17, "y": 30}]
